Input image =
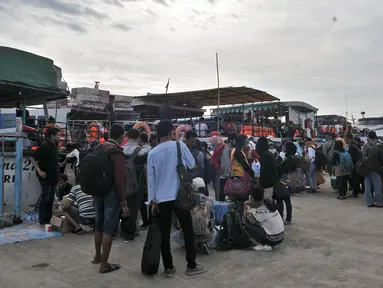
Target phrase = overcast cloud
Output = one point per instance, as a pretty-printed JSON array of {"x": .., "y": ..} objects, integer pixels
[{"x": 321, "y": 52}]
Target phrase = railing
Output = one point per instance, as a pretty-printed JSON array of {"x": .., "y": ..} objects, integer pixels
[{"x": 249, "y": 127}]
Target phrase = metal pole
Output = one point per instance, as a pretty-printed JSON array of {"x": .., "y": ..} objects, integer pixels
[
  {"x": 56, "y": 111},
  {"x": 218, "y": 96},
  {"x": 243, "y": 118}
]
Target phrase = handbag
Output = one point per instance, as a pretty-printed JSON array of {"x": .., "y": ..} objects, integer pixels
[
  {"x": 320, "y": 179},
  {"x": 151, "y": 255},
  {"x": 238, "y": 187},
  {"x": 296, "y": 180},
  {"x": 184, "y": 198}
]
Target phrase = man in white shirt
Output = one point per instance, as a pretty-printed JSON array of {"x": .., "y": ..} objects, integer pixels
[
  {"x": 201, "y": 128},
  {"x": 163, "y": 189}
]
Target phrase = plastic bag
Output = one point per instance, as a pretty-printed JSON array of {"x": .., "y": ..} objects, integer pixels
[{"x": 256, "y": 166}]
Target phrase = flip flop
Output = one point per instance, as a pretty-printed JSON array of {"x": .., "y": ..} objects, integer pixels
[{"x": 111, "y": 268}]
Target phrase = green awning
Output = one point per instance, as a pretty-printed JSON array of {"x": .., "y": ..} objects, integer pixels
[
  {"x": 26, "y": 75},
  {"x": 26, "y": 68}
]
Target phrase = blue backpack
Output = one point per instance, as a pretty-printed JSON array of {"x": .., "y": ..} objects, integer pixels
[{"x": 346, "y": 162}]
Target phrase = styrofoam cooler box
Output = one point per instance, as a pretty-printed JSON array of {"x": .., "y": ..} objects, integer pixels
[{"x": 219, "y": 209}]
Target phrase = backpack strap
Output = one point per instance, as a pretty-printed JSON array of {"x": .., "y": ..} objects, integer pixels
[
  {"x": 328, "y": 150},
  {"x": 135, "y": 153},
  {"x": 179, "y": 154}
]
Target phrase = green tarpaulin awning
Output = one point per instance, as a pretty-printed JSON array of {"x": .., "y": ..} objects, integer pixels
[{"x": 23, "y": 74}]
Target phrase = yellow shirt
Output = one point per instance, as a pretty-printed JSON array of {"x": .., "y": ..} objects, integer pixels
[{"x": 237, "y": 169}]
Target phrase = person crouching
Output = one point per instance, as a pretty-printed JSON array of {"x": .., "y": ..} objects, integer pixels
[
  {"x": 262, "y": 221},
  {"x": 84, "y": 214}
]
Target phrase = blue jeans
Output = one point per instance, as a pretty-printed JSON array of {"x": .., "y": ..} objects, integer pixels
[
  {"x": 312, "y": 176},
  {"x": 373, "y": 180}
]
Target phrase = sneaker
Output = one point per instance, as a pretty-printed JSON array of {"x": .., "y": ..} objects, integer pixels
[
  {"x": 199, "y": 269},
  {"x": 287, "y": 222},
  {"x": 169, "y": 272},
  {"x": 263, "y": 248}
]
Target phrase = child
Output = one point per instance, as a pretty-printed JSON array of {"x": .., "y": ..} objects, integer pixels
[{"x": 263, "y": 222}]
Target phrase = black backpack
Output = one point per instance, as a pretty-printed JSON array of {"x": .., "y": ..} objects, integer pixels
[
  {"x": 232, "y": 234},
  {"x": 131, "y": 172},
  {"x": 320, "y": 158},
  {"x": 96, "y": 175}
]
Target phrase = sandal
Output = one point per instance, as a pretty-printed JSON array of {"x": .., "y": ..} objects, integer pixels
[
  {"x": 98, "y": 261},
  {"x": 110, "y": 268}
]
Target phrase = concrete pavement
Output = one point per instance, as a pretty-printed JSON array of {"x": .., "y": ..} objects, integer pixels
[{"x": 331, "y": 243}]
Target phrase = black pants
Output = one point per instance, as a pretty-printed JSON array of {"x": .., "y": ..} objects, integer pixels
[
  {"x": 329, "y": 167},
  {"x": 289, "y": 207},
  {"x": 221, "y": 194},
  {"x": 48, "y": 190},
  {"x": 355, "y": 181},
  {"x": 134, "y": 204},
  {"x": 257, "y": 233},
  {"x": 165, "y": 215},
  {"x": 145, "y": 216},
  {"x": 341, "y": 185}
]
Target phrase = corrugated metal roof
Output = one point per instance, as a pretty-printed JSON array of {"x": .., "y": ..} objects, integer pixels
[{"x": 209, "y": 97}]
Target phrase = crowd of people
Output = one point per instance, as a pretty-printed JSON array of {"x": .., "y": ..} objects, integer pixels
[{"x": 139, "y": 179}]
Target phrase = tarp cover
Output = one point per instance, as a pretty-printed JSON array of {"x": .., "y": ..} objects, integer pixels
[{"x": 26, "y": 68}]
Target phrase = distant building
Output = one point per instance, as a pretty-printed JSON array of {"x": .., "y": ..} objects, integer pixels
[
  {"x": 330, "y": 120},
  {"x": 95, "y": 104}
]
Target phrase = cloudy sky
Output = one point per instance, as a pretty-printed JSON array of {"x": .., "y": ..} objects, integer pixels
[{"x": 322, "y": 52}]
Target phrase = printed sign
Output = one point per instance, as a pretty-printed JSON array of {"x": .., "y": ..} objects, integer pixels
[
  {"x": 10, "y": 167},
  {"x": 31, "y": 189}
]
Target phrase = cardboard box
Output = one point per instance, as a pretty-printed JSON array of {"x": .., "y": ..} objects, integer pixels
[{"x": 61, "y": 224}]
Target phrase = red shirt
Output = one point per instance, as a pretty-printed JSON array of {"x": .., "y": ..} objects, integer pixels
[{"x": 118, "y": 167}]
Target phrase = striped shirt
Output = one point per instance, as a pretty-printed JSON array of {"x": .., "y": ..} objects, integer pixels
[{"x": 84, "y": 202}]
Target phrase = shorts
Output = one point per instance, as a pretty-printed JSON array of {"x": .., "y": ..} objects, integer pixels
[{"x": 108, "y": 210}]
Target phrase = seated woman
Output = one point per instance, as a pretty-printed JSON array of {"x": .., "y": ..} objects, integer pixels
[{"x": 262, "y": 221}]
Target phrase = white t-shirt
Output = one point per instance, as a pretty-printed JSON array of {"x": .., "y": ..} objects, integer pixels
[
  {"x": 201, "y": 129},
  {"x": 271, "y": 222}
]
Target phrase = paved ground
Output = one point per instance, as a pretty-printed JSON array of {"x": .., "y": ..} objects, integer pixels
[{"x": 331, "y": 244}]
